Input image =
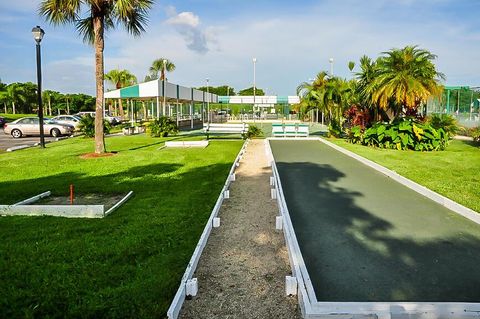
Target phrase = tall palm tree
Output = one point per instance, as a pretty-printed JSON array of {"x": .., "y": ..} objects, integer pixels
[
  {"x": 407, "y": 78},
  {"x": 121, "y": 78},
  {"x": 16, "y": 94},
  {"x": 101, "y": 15},
  {"x": 161, "y": 65}
]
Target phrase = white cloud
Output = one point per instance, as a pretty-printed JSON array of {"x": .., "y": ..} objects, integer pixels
[{"x": 188, "y": 25}]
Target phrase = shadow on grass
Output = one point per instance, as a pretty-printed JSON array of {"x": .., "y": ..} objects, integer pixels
[
  {"x": 126, "y": 265},
  {"x": 353, "y": 254}
]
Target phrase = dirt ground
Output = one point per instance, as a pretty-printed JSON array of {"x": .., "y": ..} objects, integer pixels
[
  {"x": 241, "y": 273},
  {"x": 108, "y": 200}
]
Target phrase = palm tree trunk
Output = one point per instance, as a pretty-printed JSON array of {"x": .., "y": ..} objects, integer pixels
[
  {"x": 13, "y": 107},
  {"x": 5, "y": 107},
  {"x": 49, "y": 107},
  {"x": 144, "y": 111},
  {"x": 99, "y": 75},
  {"x": 120, "y": 108},
  {"x": 68, "y": 108}
]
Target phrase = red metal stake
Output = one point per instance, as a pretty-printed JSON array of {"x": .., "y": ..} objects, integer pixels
[{"x": 71, "y": 194}]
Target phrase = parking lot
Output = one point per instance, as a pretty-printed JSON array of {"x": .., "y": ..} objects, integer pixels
[{"x": 7, "y": 141}]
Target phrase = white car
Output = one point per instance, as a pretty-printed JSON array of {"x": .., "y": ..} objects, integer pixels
[
  {"x": 68, "y": 119},
  {"x": 30, "y": 126},
  {"x": 113, "y": 120}
]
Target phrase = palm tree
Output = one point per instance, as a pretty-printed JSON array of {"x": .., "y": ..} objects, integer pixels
[
  {"x": 160, "y": 65},
  {"x": 121, "y": 78},
  {"x": 102, "y": 15},
  {"x": 405, "y": 78},
  {"x": 16, "y": 94}
]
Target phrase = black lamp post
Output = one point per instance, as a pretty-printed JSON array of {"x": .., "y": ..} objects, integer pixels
[{"x": 38, "y": 35}]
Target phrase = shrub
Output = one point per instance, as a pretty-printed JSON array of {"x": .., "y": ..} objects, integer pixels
[
  {"x": 356, "y": 116},
  {"x": 334, "y": 128},
  {"x": 253, "y": 131},
  {"x": 444, "y": 121},
  {"x": 87, "y": 126},
  {"x": 475, "y": 134},
  {"x": 163, "y": 127},
  {"x": 403, "y": 134}
]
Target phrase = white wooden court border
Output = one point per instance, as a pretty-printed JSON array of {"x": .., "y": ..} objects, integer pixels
[
  {"x": 24, "y": 208},
  {"x": 177, "y": 303},
  {"x": 312, "y": 308}
]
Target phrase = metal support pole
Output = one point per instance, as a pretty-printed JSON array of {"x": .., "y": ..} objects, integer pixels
[{"x": 39, "y": 95}]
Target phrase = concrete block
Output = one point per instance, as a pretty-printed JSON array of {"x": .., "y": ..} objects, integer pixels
[
  {"x": 273, "y": 193},
  {"x": 226, "y": 194},
  {"x": 191, "y": 287},
  {"x": 279, "y": 223},
  {"x": 216, "y": 222},
  {"x": 232, "y": 177},
  {"x": 272, "y": 181},
  {"x": 290, "y": 285}
]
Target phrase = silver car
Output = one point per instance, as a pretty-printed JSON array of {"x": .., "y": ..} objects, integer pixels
[
  {"x": 30, "y": 126},
  {"x": 68, "y": 119}
]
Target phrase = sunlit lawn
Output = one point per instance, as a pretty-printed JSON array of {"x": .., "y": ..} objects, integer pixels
[{"x": 126, "y": 265}]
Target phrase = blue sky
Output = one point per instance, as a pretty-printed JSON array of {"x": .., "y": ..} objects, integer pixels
[{"x": 292, "y": 41}]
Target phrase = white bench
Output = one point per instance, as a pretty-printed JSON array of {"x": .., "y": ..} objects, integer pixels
[
  {"x": 226, "y": 128},
  {"x": 290, "y": 130}
]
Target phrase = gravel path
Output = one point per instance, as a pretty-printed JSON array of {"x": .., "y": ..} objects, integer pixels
[{"x": 241, "y": 273}]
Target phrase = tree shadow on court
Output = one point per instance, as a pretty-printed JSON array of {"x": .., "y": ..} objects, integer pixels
[{"x": 353, "y": 254}]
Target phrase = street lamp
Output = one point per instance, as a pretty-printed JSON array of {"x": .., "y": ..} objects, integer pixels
[
  {"x": 331, "y": 66},
  {"x": 38, "y": 36},
  {"x": 254, "y": 86},
  {"x": 208, "y": 103}
]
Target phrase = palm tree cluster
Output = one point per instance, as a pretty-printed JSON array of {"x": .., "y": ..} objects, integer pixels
[
  {"x": 395, "y": 85},
  {"x": 21, "y": 98}
]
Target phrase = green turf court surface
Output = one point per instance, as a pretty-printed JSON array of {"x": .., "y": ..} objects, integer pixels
[{"x": 365, "y": 237}]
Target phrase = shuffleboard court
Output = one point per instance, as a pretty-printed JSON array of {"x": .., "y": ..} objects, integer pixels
[{"x": 366, "y": 237}]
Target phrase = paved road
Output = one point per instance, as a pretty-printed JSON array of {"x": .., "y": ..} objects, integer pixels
[
  {"x": 7, "y": 141},
  {"x": 365, "y": 237}
]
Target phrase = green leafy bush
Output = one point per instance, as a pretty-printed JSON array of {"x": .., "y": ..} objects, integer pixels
[
  {"x": 87, "y": 126},
  {"x": 163, "y": 127},
  {"x": 444, "y": 121},
  {"x": 403, "y": 134},
  {"x": 253, "y": 131},
  {"x": 334, "y": 128},
  {"x": 475, "y": 134}
]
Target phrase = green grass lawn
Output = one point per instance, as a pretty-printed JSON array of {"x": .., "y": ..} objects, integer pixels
[
  {"x": 126, "y": 265},
  {"x": 453, "y": 173}
]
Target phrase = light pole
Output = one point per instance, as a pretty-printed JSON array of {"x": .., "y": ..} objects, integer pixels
[
  {"x": 38, "y": 35},
  {"x": 164, "y": 86},
  {"x": 254, "y": 86},
  {"x": 208, "y": 103},
  {"x": 331, "y": 66}
]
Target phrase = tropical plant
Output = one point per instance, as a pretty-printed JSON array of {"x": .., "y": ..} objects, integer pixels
[
  {"x": 444, "y": 121},
  {"x": 86, "y": 126},
  {"x": 101, "y": 16},
  {"x": 402, "y": 134},
  {"x": 475, "y": 134},
  {"x": 120, "y": 78},
  {"x": 334, "y": 128},
  {"x": 161, "y": 65},
  {"x": 15, "y": 94},
  {"x": 404, "y": 79},
  {"x": 162, "y": 127},
  {"x": 253, "y": 131},
  {"x": 249, "y": 92}
]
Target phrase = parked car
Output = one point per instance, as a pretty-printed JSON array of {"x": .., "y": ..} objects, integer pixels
[
  {"x": 113, "y": 120},
  {"x": 30, "y": 126},
  {"x": 68, "y": 119},
  {"x": 2, "y": 121}
]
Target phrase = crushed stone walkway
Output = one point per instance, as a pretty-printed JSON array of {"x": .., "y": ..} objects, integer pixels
[{"x": 241, "y": 273}]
